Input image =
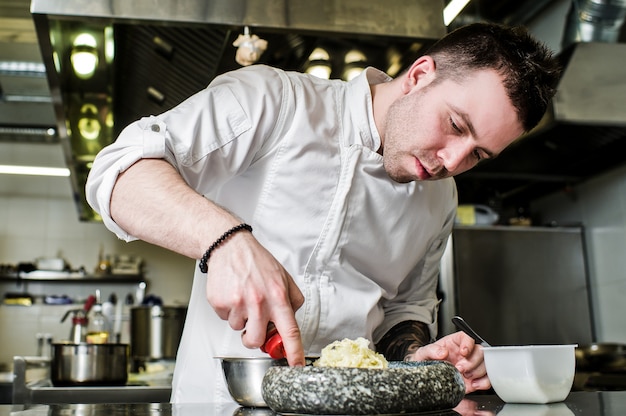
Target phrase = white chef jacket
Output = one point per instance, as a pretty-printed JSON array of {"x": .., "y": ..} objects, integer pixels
[{"x": 296, "y": 157}]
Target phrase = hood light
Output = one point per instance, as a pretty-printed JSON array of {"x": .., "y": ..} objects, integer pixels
[
  {"x": 88, "y": 125},
  {"x": 319, "y": 63},
  {"x": 84, "y": 56},
  {"x": 355, "y": 62},
  {"x": 352, "y": 70},
  {"x": 33, "y": 170},
  {"x": 320, "y": 69},
  {"x": 452, "y": 10},
  {"x": 109, "y": 44}
]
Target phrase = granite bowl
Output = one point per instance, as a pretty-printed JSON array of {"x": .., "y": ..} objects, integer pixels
[
  {"x": 404, "y": 387},
  {"x": 531, "y": 373}
]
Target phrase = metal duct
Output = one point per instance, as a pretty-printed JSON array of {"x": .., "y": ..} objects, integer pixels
[
  {"x": 167, "y": 50},
  {"x": 404, "y": 18},
  {"x": 594, "y": 21},
  {"x": 584, "y": 131}
]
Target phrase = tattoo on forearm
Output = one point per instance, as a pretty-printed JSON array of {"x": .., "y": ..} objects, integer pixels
[{"x": 403, "y": 340}]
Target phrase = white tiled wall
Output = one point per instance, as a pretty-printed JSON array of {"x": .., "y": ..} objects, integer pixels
[
  {"x": 38, "y": 218},
  {"x": 600, "y": 204},
  {"x": 20, "y": 327}
]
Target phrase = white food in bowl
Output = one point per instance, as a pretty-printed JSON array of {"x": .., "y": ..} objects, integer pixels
[
  {"x": 531, "y": 373},
  {"x": 351, "y": 353}
]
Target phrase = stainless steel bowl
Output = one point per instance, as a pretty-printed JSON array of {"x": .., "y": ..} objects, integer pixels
[{"x": 244, "y": 377}]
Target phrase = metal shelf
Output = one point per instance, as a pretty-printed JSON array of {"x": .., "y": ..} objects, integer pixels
[{"x": 59, "y": 276}]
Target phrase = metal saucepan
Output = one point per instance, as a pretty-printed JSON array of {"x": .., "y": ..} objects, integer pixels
[
  {"x": 601, "y": 357},
  {"x": 89, "y": 364},
  {"x": 156, "y": 331}
]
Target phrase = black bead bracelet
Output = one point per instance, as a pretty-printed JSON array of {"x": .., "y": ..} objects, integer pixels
[{"x": 204, "y": 267}]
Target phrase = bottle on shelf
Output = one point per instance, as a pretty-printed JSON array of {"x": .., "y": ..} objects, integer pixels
[
  {"x": 104, "y": 263},
  {"x": 98, "y": 329},
  {"x": 78, "y": 331}
]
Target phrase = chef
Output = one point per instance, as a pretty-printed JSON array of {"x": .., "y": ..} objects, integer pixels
[{"x": 321, "y": 207}]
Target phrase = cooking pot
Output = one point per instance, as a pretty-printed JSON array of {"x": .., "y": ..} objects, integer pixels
[
  {"x": 89, "y": 364},
  {"x": 156, "y": 331},
  {"x": 601, "y": 357}
]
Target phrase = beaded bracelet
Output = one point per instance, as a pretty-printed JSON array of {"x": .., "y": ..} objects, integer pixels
[{"x": 205, "y": 258}]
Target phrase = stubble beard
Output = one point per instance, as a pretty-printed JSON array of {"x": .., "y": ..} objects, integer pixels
[
  {"x": 395, "y": 134},
  {"x": 393, "y": 167}
]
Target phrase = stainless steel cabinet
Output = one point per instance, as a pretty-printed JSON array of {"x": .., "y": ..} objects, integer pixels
[{"x": 518, "y": 285}]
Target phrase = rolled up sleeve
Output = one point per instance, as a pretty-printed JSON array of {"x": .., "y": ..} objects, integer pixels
[
  {"x": 187, "y": 136},
  {"x": 142, "y": 139}
]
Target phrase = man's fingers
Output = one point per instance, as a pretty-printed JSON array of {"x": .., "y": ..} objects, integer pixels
[
  {"x": 475, "y": 384},
  {"x": 254, "y": 334},
  {"x": 294, "y": 351},
  {"x": 236, "y": 322},
  {"x": 295, "y": 296},
  {"x": 430, "y": 352},
  {"x": 287, "y": 327}
]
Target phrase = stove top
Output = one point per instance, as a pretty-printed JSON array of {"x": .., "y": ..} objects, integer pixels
[{"x": 32, "y": 385}]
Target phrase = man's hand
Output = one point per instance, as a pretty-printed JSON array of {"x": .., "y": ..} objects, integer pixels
[
  {"x": 460, "y": 350},
  {"x": 249, "y": 288}
]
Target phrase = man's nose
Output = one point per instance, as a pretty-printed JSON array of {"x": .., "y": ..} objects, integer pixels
[{"x": 458, "y": 157}]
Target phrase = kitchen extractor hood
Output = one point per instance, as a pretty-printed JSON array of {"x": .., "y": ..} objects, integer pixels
[
  {"x": 584, "y": 130},
  {"x": 147, "y": 57},
  {"x": 26, "y": 111},
  {"x": 582, "y": 134}
]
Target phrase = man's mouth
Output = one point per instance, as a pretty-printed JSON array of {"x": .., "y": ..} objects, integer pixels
[{"x": 420, "y": 171}]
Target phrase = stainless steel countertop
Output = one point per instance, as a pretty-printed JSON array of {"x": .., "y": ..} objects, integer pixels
[{"x": 577, "y": 404}]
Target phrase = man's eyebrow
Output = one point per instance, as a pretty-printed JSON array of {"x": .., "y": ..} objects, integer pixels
[{"x": 470, "y": 127}]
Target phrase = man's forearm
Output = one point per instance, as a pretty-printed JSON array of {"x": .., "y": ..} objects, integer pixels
[
  {"x": 403, "y": 340},
  {"x": 152, "y": 202}
]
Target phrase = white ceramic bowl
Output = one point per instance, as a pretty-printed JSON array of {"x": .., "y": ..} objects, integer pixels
[{"x": 531, "y": 373}]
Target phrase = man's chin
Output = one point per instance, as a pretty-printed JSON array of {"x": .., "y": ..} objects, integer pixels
[{"x": 401, "y": 178}]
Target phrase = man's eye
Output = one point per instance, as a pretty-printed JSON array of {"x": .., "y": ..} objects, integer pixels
[
  {"x": 454, "y": 126},
  {"x": 477, "y": 155}
]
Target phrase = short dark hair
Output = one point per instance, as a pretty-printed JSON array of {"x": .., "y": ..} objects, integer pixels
[{"x": 530, "y": 70}]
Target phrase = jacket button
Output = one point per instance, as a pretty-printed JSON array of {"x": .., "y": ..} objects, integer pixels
[{"x": 155, "y": 128}]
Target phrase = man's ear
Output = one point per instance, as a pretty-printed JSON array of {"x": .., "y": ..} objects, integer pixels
[{"x": 419, "y": 74}]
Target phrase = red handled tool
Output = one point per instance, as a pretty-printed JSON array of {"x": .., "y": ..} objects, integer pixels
[{"x": 273, "y": 343}]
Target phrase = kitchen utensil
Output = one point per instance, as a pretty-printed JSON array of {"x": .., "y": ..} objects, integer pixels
[
  {"x": 156, "y": 331},
  {"x": 89, "y": 364},
  {"x": 403, "y": 388},
  {"x": 244, "y": 377},
  {"x": 464, "y": 326},
  {"x": 603, "y": 357},
  {"x": 531, "y": 373},
  {"x": 78, "y": 332},
  {"x": 273, "y": 343}
]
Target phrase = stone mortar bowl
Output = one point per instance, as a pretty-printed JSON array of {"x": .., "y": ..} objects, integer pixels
[{"x": 404, "y": 387}]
